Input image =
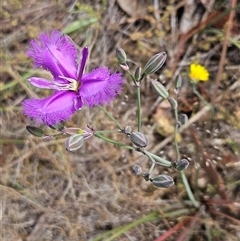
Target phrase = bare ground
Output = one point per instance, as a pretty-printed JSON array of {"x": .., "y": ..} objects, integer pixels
[{"x": 48, "y": 193}]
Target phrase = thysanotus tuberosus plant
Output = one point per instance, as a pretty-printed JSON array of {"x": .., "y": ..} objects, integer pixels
[{"x": 73, "y": 89}]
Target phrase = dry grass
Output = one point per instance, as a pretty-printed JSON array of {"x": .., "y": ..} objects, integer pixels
[{"x": 48, "y": 193}]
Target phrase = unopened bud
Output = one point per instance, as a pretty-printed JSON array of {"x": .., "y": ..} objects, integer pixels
[
  {"x": 121, "y": 55},
  {"x": 137, "y": 170},
  {"x": 178, "y": 82},
  {"x": 127, "y": 130},
  {"x": 159, "y": 88},
  {"x": 181, "y": 165},
  {"x": 183, "y": 119},
  {"x": 155, "y": 63},
  {"x": 138, "y": 73},
  {"x": 139, "y": 139},
  {"x": 124, "y": 67},
  {"x": 35, "y": 131},
  {"x": 173, "y": 103},
  {"x": 163, "y": 181},
  {"x": 74, "y": 142}
]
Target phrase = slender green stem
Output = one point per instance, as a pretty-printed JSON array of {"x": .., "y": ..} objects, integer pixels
[
  {"x": 195, "y": 91},
  {"x": 132, "y": 77},
  {"x": 110, "y": 116},
  {"x": 196, "y": 188},
  {"x": 139, "y": 107},
  {"x": 137, "y": 84},
  {"x": 188, "y": 190},
  {"x": 151, "y": 169},
  {"x": 184, "y": 179},
  {"x": 113, "y": 141},
  {"x": 154, "y": 216},
  {"x": 175, "y": 134},
  {"x": 153, "y": 157},
  {"x": 108, "y": 131},
  {"x": 157, "y": 158}
]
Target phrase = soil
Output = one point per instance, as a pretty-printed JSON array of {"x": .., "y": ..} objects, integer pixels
[{"x": 50, "y": 194}]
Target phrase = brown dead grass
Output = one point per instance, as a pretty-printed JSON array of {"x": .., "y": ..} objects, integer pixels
[{"x": 50, "y": 194}]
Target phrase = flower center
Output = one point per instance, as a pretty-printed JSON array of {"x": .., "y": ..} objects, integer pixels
[{"x": 71, "y": 85}]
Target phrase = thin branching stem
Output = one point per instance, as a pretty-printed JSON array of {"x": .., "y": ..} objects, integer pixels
[
  {"x": 139, "y": 107},
  {"x": 196, "y": 92},
  {"x": 158, "y": 159},
  {"x": 117, "y": 143},
  {"x": 184, "y": 179},
  {"x": 108, "y": 131},
  {"x": 188, "y": 190},
  {"x": 175, "y": 134},
  {"x": 110, "y": 116}
]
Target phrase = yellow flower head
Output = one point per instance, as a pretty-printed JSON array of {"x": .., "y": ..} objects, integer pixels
[{"x": 198, "y": 72}]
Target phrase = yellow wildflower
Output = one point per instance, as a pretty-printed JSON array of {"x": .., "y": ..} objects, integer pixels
[{"x": 198, "y": 72}]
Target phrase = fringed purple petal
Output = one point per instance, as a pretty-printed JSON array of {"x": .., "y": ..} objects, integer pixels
[
  {"x": 56, "y": 108},
  {"x": 99, "y": 86},
  {"x": 41, "y": 83},
  {"x": 56, "y": 53},
  {"x": 82, "y": 63}
]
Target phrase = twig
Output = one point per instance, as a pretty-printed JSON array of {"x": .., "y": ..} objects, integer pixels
[{"x": 224, "y": 51}]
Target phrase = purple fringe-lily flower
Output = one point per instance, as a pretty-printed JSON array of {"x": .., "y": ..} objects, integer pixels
[{"x": 57, "y": 53}]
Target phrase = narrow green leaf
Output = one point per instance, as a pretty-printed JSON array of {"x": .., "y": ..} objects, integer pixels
[
  {"x": 160, "y": 89},
  {"x": 78, "y": 24},
  {"x": 35, "y": 131}
]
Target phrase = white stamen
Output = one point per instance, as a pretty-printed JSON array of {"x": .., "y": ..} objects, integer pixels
[{"x": 72, "y": 85}]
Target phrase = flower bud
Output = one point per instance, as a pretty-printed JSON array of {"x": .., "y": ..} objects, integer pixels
[
  {"x": 137, "y": 170},
  {"x": 163, "y": 181},
  {"x": 155, "y": 63},
  {"x": 121, "y": 55},
  {"x": 138, "y": 73},
  {"x": 124, "y": 67},
  {"x": 181, "y": 165},
  {"x": 173, "y": 103},
  {"x": 159, "y": 88},
  {"x": 183, "y": 119},
  {"x": 35, "y": 131},
  {"x": 74, "y": 142},
  {"x": 138, "y": 139},
  {"x": 127, "y": 130},
  {"x": 178, "y": 82}
]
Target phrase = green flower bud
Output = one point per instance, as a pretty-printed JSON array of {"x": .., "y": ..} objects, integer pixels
[
  {"x": 178, "y": 82},
  {"x": 163, "y": 181},
  {"x": 35, "y": 131},
  {"x": 121, "y": 55},
  {"x": 138, "y": 73},
  {"x": 155, "y": 63},
  {"x": 139, "y": 139},
  {"x": 173, "y": 103},
  {"x": 181, "y": 165},
  {"x": 74, "y": 142},
  {"x": 160, "y": 89}
]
